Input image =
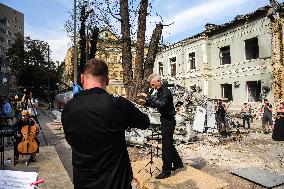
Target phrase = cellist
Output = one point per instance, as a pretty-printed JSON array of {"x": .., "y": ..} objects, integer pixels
[{"x": 24, "y": 121}]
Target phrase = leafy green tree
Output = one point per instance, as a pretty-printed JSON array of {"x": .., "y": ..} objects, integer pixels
[{"x": 32, "y": 66}]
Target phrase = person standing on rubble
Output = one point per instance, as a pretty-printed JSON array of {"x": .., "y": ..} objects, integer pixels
[
  {"x": 221, "y": 115},
  {"x": 278, "y": 130},
  {"x": 163, "y": 101},
  {"x": 246, "y": 115},
  {"x": 267, "y": 122},
  {"x": 94, "y": 124}
]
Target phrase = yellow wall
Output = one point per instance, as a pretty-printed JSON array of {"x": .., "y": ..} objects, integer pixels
[
  {"x": 67, "y": 75},
  {"x": 109, "y": 50}
]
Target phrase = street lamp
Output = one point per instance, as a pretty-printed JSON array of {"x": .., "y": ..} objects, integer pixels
[{"x": 75, "y": 54}]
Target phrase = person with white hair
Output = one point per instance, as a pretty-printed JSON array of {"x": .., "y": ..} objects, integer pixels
[{"x": 163, "y": 101}]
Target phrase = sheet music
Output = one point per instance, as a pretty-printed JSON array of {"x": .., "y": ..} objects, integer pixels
[{"x": 17, "y": 179}]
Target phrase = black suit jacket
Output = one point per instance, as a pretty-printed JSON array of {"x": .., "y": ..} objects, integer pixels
[
  {"x": 163, "y": 101},
  {"x": 94, "y": 123}
]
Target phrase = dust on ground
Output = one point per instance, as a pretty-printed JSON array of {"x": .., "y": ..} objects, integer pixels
[{"x": 218, "y": 156}]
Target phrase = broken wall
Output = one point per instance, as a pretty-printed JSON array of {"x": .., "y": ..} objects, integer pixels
[
  {"x": 241, "y": 70},
  {"x": 210, "y": 74},
  {"x": 185, "y": 76}
]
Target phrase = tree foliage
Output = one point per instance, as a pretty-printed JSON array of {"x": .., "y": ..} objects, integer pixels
[{"x": 32, "y": 67}]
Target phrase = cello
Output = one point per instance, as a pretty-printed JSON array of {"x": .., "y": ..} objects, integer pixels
[{"x": 28, "y": 145}]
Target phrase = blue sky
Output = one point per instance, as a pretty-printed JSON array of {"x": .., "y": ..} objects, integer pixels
[{"x": 44, "y": 19}]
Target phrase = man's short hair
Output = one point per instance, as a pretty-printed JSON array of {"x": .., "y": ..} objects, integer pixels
[
  {"x": 154, "y": 76},
  {"x": 265, "y": 100},
  {"x": 97, "y": 68}
]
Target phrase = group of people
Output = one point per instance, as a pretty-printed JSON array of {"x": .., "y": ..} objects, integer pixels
[
  {"x": 266, "y": 111},
  {"x": 95, "y": 121},
  {"x": 18, "y": 113},
  {"x": 275, "y": 127},
  {"x": 94, "y": 124}
]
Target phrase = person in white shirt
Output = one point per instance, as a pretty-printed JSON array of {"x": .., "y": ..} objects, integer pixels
[{"x": 30, "y": 103}]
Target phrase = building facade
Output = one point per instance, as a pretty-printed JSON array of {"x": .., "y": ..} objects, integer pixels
[
  {"x": 108, "y": 49},
  {"x": 11, "y": 24},
  {"x": 232, "y": 61}
]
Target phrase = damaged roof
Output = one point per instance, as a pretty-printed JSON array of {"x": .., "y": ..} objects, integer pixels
[
  {"x": 239, "y": 20},
  {"x": 213, "y": 29}
]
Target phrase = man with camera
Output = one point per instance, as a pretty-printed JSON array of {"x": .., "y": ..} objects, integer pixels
[
  {"x": 163, "y": 101},
  {"x": 267, "y": 122}
]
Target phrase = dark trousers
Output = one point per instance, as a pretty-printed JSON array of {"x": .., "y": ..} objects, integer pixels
[
  {"x": 246, "y": 118},
  {"x": 169, "y": 153}
]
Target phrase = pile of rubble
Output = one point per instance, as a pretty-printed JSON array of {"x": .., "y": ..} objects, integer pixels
[{"x": 185, "y": 102}]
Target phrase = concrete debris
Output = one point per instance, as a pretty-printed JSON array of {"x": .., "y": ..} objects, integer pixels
[
  {"x": 56, "y": 115},
  {"x": 135, "y": 137}
]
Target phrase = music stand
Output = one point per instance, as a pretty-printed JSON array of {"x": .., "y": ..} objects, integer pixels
[
  {"x": 7, "y": 133},
  {"x": 155, "y": 132}
]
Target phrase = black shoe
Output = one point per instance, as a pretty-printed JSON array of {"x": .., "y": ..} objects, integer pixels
[
  {"x": 163, "y": 175},
  {"x": 177, "y": 167}
]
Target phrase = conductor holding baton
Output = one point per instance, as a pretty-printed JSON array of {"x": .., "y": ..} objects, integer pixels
[{"x": 163, "y": 101}]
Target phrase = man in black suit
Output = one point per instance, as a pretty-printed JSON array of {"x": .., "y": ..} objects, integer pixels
[{"x": 163, "y": 101}]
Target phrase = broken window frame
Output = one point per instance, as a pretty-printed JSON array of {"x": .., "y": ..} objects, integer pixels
[
  {"x": 225, "y": 86},
  {"x": 191, "y": 60},
  {"x": 173, "y": 67},
  {"x": 251, "y": 48},
  {"x": 254, "y": 97},
  {"x": 225, "y": 55},
  {"x": 161, "y": 68}
]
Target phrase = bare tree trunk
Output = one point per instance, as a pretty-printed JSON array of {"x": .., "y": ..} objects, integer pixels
[
  {"x": 126, "y": 48},
  {"x": 140, "y": 45},
  {"x": 277, "y": 58},
  {"x": 82, "y": 41},
  {"x": 152, "y": 53},
  {"x": 94, "y": 40}
]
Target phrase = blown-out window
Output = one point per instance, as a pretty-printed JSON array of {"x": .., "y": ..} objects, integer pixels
[
  {"x": 226, "y": 90},
  {"x": 252, "y": 49},
  {"x": 191, "y": 60},
  {"x": 253, "y": 91},
  {"x": 225, "y": 56},
  {"x": 173, "y": 66},
  {"x": 161, "y": 69}
]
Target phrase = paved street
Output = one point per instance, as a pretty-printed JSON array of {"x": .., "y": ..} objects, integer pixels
[{"x": 55, "y": 138}]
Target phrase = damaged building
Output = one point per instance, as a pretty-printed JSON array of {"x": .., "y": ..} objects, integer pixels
[{"x": 233, "y": 60}]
